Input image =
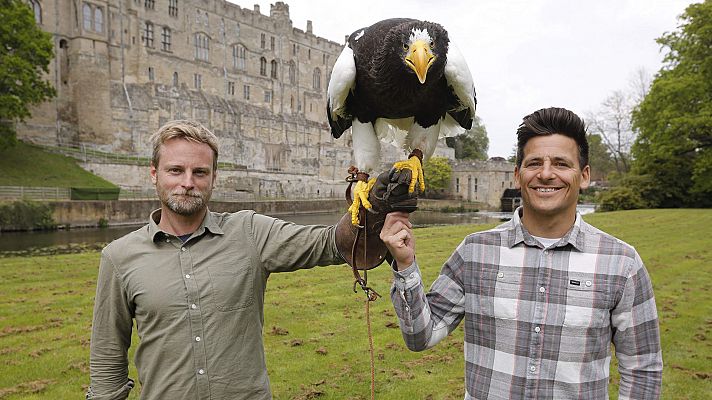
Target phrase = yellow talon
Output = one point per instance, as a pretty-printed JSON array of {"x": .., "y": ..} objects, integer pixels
[
  {"x": 360, "y": 193},
  {"x": 416, "y": 175}
]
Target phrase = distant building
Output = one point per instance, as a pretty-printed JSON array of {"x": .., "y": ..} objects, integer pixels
[
  {"x": 482, "y": 181},
  {"x": 511, "y": 199}
]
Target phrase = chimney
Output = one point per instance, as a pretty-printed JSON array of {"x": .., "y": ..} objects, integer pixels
[
  {"x": 257, "y": 8},
  {"x": 309, "y": 26}
]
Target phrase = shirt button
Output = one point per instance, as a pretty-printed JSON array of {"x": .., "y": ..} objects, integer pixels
[
  {"x": 537, "y": 329},
  {"x": 500, "y": 275},
  {"x": 542, "y": 290},
  {"x": 402, "y": 280},
  {"x": 407, "y": 308},
  {"x": 197, "y": 338},
  {"x": 168, "y": 240},
  {"x": 202, "y": 371},
  {"x": 182, "y": 249},
  {"x": 588, "y": 283},
  {"x": 532, "y": 368},
  {"x": 411, "y": 276},
  {"x": 187, "y": 276},
  {"x": 193, "y": 306},
  {"x": 546, "y": 252}
]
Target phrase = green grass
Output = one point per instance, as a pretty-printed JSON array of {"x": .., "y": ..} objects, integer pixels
[
  {"x": 27, "y": 165},
  {"x": 315, "y": 326}
]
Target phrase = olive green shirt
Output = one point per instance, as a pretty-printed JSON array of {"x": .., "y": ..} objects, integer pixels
[{"x": 198, "y": 305}]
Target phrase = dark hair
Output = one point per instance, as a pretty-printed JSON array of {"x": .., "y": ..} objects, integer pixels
[{"x": 549, "y": 121}]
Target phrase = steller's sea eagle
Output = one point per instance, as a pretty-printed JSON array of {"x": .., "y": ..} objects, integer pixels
[{"x": 401, "y": 81}]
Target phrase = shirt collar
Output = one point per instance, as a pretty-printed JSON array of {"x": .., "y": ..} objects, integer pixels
[
  {"x": 518, "y": 233},
  {"x": 210, "y": 223}
]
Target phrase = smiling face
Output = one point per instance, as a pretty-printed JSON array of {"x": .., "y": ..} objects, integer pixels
[
  {"x": 550, "y": 178},
  {"x": 184, "y": 177}
]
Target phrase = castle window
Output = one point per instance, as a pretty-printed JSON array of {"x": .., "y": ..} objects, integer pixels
[
  {"x": 98, "y": 19},
  {"x": 262, "y": 40},
  {"x": 271, "y": 42},
  {"x": 309, "y": 54},
  {"x": 231, "y": 88},
  {"x": 93, "y": 18},
  {"x": 202, "y": 46},
  {"x": 316, "y": 81},
  {"x": 175, "y": 79},
  {"x": 263, "y": 66},
  {"x": 246, "y": 92},
  {"x": 198, "y": 81},
  {"x": 37, "y": 10},
  {"x": 151, "y": 74},
  {"x": 238, "y": 57},
  {"x": 166, "y": 39},
  {"x": 268, "y": 96},
  {"x": 87, "y": 14},
  {"x": 173, "y": 8},
  {"x": 457, "y": 185},
  {"x": 294, "y": 49},
  {"x": 273, "y": 70},
  {"x": 292, "y": 73},
  {"x": 323, "y": 58},
  {"x": 149, "y": 4},
  {"x": 475, "y": 184},
  {"x": 147, "y": 34}
]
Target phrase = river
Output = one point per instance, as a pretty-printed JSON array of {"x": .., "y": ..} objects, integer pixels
[{"x": 16, "y": 241}]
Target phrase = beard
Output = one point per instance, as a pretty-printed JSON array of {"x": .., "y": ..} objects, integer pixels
[{"x": 184, "y": 202}]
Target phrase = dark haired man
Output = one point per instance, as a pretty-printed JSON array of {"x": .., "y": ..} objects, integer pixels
[{"x": 543, "y": 295}]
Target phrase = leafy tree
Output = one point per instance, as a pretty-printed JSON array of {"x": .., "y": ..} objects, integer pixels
[
  {"x": 437, "y": 171},
  {"x": 471, "y": 145},
  {"x": 599, "y": 158},
  {"x": 25, "y": 53},
  {"x": 673, "y": 151}
]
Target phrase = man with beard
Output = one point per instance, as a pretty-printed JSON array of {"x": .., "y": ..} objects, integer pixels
[{"x": 194, "y": 282}]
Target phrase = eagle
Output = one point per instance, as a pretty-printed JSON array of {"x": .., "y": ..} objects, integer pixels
[{"x": 400, "y": 81}]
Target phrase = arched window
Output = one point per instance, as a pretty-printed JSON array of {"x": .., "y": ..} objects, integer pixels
[
  {"x": 263, "y": 66},
  {"x": 98, "y": 20},
  {"x": 37, "y": 10},
  {"x": 86, "y": 13},
  {"x": 147, "y": 34},
  {"x": 202, "y": 46},
  {"x": 175, "y": 79},
  {"x": 273, "y": 69},
  {"x": 292, "y": 73},
  {"x": 316, "y": 83},
  {"x": 238, "y": 57}
]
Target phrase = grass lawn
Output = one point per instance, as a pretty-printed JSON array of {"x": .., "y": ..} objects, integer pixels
[
  {"x": 315, "y": 326},
  {"x": 27, "y": 165}
]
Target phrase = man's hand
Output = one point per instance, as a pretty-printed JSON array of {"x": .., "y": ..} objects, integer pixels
[{"x": 397, "y": 234}]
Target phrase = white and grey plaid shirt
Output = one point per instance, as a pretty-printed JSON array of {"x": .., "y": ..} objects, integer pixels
[{"x": 539, "y": 321}]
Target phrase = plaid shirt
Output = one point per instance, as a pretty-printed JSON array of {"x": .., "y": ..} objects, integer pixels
[{"x": 539, "y": 320}]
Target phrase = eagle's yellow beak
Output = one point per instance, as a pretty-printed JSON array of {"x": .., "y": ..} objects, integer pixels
[{"x": 420, "y": 58}]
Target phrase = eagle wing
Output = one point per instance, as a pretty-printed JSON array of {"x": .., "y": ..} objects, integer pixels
[
  {"x": 339, "y": 92},
  {"x": 460, "y": 81}
]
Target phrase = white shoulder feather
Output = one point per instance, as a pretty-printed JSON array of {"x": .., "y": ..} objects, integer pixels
[
  {"x": 459, "y": 77},
  {"x": 343, "y": 80}
]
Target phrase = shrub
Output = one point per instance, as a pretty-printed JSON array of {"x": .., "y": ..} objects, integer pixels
[
  {"x": 620, "y": 198},
  {"x": 25, "y": 215}
]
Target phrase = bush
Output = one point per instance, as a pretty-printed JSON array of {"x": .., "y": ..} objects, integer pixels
[
  {"x": 25, "y": 215},
  {"x": 620, "y": 198}
]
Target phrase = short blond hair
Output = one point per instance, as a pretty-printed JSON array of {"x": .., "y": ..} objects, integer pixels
[{"x": 184, "y": 129}]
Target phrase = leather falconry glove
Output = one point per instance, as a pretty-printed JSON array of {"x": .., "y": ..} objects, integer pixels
[{"x": 390, "y": 193}]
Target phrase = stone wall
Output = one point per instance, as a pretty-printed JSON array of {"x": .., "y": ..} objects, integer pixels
[{"x": 482, "y": 181}]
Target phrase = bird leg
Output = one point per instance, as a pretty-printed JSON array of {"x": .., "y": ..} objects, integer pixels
[
  {"x": 360, "y": 193},
  {"x": 415, "y": 164}
]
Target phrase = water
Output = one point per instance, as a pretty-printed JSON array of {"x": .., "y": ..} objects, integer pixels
[{"x": 15, "y": 241}]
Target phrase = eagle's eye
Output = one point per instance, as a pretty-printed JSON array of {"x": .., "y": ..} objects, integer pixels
[
  {"x": 405, "y": 46},
  {"x": 432, "y": 44}
]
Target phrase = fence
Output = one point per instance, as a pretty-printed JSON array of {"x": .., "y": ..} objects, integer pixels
[{"x": 34, "y": 193}]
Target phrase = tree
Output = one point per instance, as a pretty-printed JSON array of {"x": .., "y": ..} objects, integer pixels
[
  {"x": 612, "y": 123},
  {"x": 25, "y": 53},
  {"x": 437, "y": 171},
  {"x": 599, "y": 158},
  {"x": 471, "y": 145},
  {"x": 673, "y": 151}
]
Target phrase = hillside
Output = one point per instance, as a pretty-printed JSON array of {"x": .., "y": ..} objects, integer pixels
[{"x": 27, "y": 165}]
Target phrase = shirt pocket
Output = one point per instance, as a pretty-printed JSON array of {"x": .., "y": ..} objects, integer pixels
[
  {"x": 232, "y": 285},
  {"x": 586, "y": 306},
  {"x": 506, "y": 285}
]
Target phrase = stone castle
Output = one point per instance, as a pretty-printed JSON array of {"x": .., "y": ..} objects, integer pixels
[{"x": 122, "y": 68}]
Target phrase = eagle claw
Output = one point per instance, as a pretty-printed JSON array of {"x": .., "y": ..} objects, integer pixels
[{"x": 413, "y": 164}]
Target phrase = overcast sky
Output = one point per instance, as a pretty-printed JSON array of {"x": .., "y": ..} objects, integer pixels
[{"x": 523, "y": 55}]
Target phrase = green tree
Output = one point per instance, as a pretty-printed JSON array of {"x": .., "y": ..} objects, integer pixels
[
  {"x": 437, "y": 171},
  {"x": 673, "y": 150},
  {"x": 25, "y": 53},
  {"x": 599, "y": 158},
  {"x": 471, "y": 145}
]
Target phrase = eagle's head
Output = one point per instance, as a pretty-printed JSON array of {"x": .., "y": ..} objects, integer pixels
[{"x": 416, "y": 49}]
